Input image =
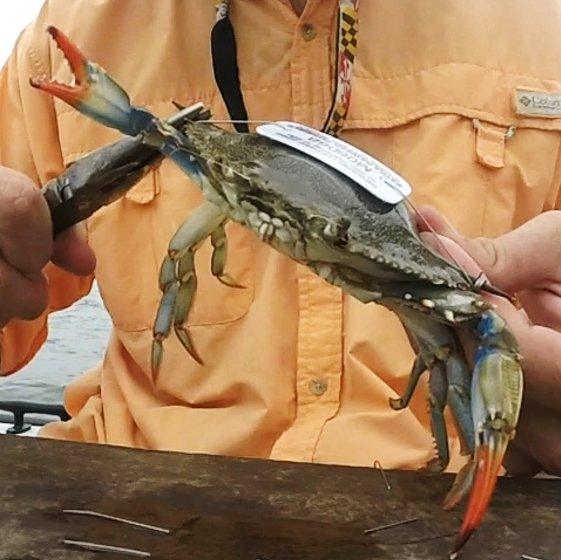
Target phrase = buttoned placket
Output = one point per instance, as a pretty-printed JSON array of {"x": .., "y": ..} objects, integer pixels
[{"x": 319, "y": 354}]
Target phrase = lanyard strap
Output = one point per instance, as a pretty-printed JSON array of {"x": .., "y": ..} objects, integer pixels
[
  {"x": 347, "y": 36},
  {"x": 226, "y": 72},
  {"x": 225, "y": 65}
]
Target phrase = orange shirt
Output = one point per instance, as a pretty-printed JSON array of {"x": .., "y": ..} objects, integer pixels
[{"x": 294, "y": 368}]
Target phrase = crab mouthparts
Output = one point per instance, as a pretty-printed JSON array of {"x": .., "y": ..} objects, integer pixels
[{"x": 74, "y": 94}]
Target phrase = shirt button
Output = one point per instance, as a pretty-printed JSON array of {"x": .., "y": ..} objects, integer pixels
[
  {"x": 308, "y": 32},
  {"x": 318, "y": 387}
]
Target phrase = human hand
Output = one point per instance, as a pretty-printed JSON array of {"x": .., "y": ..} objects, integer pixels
[
  {"x": 525, "y": 262},
  {"x": 26, "y": 246}
]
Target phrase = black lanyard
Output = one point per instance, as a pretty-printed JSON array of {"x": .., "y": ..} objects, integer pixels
[
  {"x": 226, "y": 71},
  {"x": 225, "y": 66}
]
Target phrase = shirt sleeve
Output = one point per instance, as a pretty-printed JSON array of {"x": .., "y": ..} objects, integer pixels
[{"x": 29, "y": 143}]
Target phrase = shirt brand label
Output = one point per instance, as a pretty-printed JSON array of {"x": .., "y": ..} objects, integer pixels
[
  {"x": 359, "y": 166},
  {"x": 537, "y": 103}
]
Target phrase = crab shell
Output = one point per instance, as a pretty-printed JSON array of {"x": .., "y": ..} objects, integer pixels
[{"x": 318, "y": 216}]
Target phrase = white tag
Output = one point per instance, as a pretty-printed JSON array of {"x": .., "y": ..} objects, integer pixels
[
  {"x": 362, "y": 168},
  {"x": 537, "y": 103}
]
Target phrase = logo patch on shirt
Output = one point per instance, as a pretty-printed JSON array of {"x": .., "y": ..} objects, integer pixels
[{"x": 537, "y": 103}]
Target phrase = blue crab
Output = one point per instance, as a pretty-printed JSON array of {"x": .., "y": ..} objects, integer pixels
[{"x": 324, "y": 220}]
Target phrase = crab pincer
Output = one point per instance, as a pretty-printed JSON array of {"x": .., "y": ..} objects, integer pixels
[
  {"x": 324, "y": 219},
  {"x": 93, "y": 92},
  {"x": 496, "y": 392}
]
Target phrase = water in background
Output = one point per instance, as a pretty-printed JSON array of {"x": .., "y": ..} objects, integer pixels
[{"x": 77, "y": 341}]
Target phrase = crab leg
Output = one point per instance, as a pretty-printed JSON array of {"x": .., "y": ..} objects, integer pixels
[
  {"x": 178, "y": 279},
  {"x": 220, "y": 243},
  {"x": 449, "y": 380},
  {"x": 419, "y": 367},
  {"x": 164, "y": 315},
  {"x": 438, "y": 391},
  {"x": 187, "y": 279}
]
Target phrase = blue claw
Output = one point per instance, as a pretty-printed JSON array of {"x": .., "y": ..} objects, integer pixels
[
  {"x": 496, "y": 393},
  {"x": 94, "y": 93}
]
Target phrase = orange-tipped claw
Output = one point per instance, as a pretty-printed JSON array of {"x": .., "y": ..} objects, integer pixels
[
  {"x": 72, "y": 94},
  {"x": 93, "y": 92},
  {"x": 488, "y": 457},
  {"x": 496, "y": 399}
]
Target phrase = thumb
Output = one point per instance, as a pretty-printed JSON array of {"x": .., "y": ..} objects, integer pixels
[
  {"x": 72, "y": 253},
  {"x": 526, "y": 257}
]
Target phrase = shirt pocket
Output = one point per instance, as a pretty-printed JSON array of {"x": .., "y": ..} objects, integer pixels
[
  {"x": 485, "y": 167},
  {"x": 130, "y": 238}
]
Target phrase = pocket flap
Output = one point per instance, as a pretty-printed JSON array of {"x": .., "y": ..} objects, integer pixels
[{"x": 465, "y": 89}]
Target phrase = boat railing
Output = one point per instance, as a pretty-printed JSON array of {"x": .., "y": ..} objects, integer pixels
[{"x": 37, "y": 414}]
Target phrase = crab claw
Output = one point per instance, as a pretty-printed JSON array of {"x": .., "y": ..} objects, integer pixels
[
  {"x": 93, "y": 93},
  {"x": 496, "y": 402},
  {"x": 488, "y": 460}
]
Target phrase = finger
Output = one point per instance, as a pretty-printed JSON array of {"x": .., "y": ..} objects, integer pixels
[
  {"x": 428, "y": 218},
  {"x": 527, "y": 257},
  {"x": 539, "y": 437},
  {"x": 519, "y": 463},
  {"x": 540, "y": 347},
  {"x": 450, "y": 250},
  {"x": 542, "y": 307},
  {"x": 72, "y": 253},
  {"x": 22, "y": 296},
  {"x": 25, "y": 223},
  {"x": 540, "y": 354},
  {"x": 540, "y": 357}
]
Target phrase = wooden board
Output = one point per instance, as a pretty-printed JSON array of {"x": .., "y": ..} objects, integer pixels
[{"x": 234, "y": 509}]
